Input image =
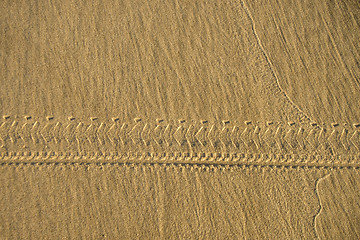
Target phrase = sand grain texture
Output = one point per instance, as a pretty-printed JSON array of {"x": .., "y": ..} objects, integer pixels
[{"x": 180, "y": 119}]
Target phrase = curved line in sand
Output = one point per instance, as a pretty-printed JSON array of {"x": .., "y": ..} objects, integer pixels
[
  {"x": 270, "y": 65},
  {"x": 320, "y": 203}
]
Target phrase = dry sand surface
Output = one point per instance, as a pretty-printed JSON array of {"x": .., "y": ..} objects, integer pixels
[{"x": 180, "y": 119}]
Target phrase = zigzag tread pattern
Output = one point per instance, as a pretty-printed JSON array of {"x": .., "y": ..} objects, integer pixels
[
  {"x": 28, "y": 135},
  {"x": 180, "y": 159}
]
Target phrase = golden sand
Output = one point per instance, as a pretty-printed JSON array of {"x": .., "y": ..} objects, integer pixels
[{"x": 180, "y": 119}]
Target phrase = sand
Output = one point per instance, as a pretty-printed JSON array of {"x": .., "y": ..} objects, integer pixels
[{"x": 179, "y": 119}]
